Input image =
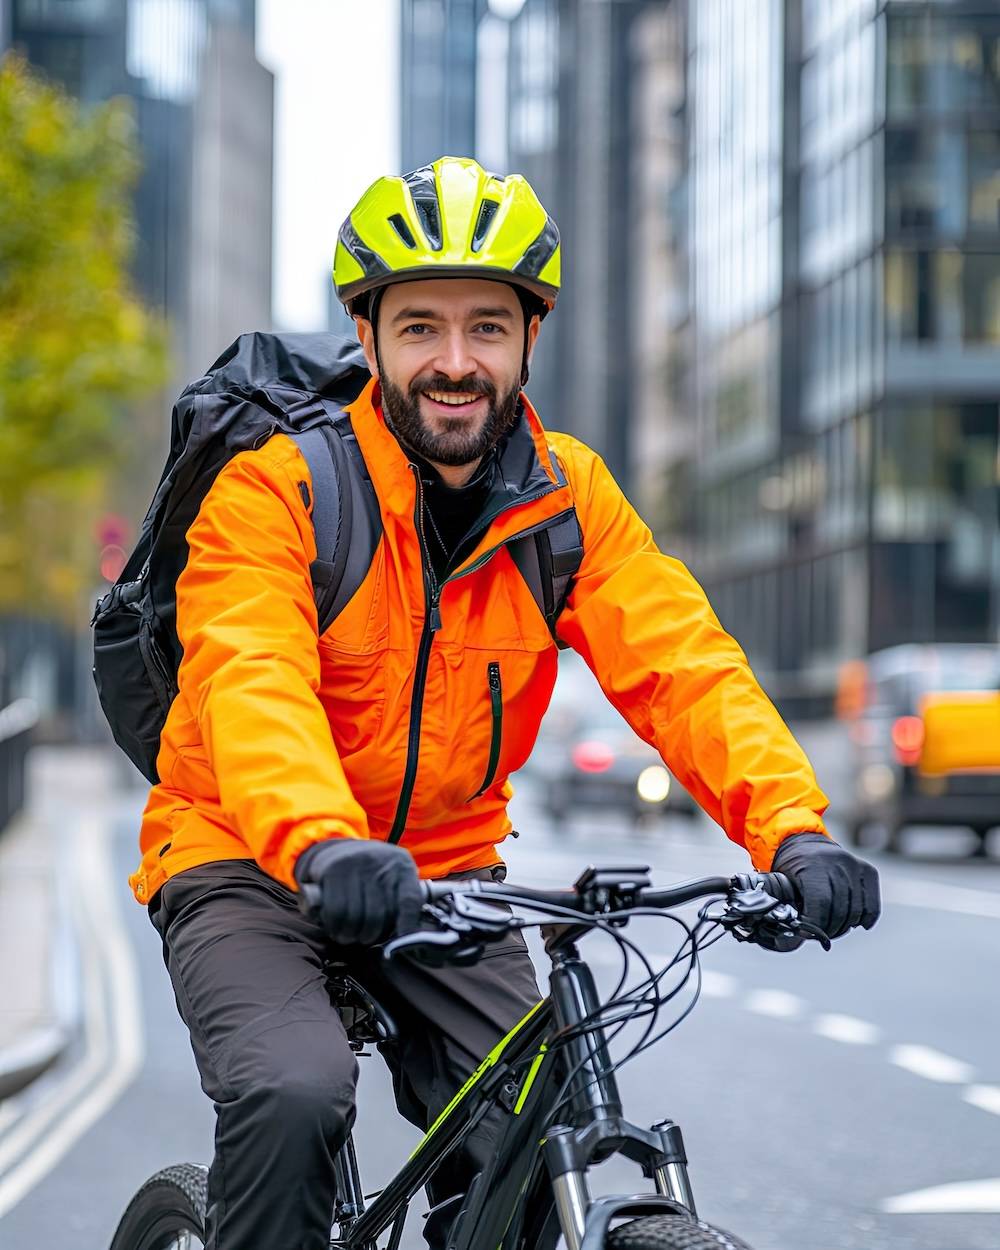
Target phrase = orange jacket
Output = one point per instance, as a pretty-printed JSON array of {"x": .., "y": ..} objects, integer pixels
[{"x": 278, "y": 739}]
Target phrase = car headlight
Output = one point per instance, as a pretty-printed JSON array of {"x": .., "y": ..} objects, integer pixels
[
  {"x": 653, "y": 784},
  {"x": 877, "y": 781}
]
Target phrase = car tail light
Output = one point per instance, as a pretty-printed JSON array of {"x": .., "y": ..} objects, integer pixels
[
  {"x": 908, "y": 739},
  {"x": 593, "y": 757}
]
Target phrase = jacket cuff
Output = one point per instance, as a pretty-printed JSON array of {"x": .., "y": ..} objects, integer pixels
[{"x": 763, "y": 844}]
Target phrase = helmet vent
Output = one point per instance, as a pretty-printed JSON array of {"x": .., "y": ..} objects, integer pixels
[
  {"x": 403, "y": 230},
  {"x": 423, "y": 193},
  {"x": 487, "y": 211}
]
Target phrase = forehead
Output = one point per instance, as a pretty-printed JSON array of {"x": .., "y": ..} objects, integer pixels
[{"x": 449, "y": 297}]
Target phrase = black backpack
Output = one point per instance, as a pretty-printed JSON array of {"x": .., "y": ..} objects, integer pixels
[{"x": 297, "y": 384}]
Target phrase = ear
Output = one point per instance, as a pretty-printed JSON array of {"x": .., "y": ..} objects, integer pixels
[
  {"x": 534, "y": 325},
  {"x": 366, "y": 337}
]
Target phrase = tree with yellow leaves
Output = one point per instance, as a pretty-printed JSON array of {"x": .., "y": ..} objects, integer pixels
[{"x": 76, "y": 345}]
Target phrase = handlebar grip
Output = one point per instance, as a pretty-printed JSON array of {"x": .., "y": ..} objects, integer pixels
[{"x": 779, "y": 886}]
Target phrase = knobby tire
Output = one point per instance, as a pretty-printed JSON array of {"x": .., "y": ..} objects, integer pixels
[
  {"x": 171, "y": 1203},
  {"x": 671, "y": 1232}
]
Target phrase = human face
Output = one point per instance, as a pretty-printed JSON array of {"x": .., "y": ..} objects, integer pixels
[{"x": 449, "y": 362}]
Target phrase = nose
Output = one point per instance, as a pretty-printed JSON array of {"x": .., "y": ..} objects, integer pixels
[{"x": 454, "y": 358}]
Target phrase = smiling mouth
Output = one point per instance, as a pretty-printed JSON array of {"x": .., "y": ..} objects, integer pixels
[{"x": 454, "y": 399}]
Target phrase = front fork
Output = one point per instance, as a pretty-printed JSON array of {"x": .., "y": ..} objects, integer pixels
[{"x": 596, "y": 1107}]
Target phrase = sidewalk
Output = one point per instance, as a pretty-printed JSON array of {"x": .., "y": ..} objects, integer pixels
[{"x": 40, "y": 1003}]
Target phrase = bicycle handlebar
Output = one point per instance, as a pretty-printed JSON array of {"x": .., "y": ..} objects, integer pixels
[{"x": 774, "y": 883}]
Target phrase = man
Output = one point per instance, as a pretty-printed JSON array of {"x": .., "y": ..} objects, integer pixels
[{"x": 355, "y": 760}]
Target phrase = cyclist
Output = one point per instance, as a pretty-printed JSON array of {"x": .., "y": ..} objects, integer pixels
[{"x": 381, "y": 751}]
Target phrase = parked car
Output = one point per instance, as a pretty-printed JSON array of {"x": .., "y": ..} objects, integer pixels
[
  {"x": 925, "y": 734},
  {"x": 587, "y": 756}
]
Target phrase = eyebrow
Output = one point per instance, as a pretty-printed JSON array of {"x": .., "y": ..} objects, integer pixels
[{"x": 428, "y": 314}]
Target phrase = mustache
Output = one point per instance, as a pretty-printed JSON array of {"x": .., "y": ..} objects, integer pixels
[{"x": 466, "y": 386}]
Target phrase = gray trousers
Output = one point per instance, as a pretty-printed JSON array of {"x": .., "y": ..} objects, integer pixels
[{"x": 247, "y": 969}]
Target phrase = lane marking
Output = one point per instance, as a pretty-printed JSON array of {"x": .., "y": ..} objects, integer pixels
[
  {"x": 778, "y": 1004},
  {"x": 986, "y": 1097},
  {"x": 932, "y": 1064},
  {"x": 849, "y": 1029},
  {"x": 115, "y": 1045},
  {"x": 965, "y": 1197},
  {"x": 718, "y": 984},
  {"x": 953, "y": 898}
]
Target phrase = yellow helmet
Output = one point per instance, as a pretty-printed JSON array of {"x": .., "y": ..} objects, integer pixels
[{"x": 450, "y": 219}]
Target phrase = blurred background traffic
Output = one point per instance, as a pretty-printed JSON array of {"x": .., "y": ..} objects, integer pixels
[{"x": 780, "y": 325}]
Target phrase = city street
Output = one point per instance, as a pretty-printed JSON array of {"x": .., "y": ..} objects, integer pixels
[{"x": 823, "y": 1097}]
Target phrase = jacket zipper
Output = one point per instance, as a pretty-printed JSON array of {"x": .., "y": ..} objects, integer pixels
[
  {"x": 432, "y": 623},
  {"x": 496, "y": 735}
]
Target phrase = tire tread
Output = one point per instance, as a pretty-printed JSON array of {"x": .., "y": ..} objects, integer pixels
[{"x": 671, "y": 1232}]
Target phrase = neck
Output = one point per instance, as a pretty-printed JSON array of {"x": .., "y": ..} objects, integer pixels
[{"x": 456, "y": 475}]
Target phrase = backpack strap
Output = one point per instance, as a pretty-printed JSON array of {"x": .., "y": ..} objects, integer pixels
[
  {"x": 345, "y": 513},
  {"x": 548, "y": 560}
]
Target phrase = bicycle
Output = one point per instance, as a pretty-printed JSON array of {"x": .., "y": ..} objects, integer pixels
[{"x": 552, "y": 1075}]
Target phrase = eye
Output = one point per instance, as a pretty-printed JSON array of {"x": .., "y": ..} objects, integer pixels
[
  {"x": 417, "y": 329},
  {"x": 490, "y": 328}
]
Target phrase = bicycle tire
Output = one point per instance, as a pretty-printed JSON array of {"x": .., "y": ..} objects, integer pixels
[
  {"x": 671, "y": 1232},
  {"x": 169, "y": 1205}
]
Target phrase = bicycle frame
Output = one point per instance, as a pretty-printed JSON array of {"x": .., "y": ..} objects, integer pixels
[{"x": 495, "y": 1211}]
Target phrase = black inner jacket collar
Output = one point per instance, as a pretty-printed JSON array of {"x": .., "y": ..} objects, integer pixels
[{"x": 509, "y": 475}]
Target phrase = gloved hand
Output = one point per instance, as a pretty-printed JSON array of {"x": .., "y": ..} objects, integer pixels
[
  {"x": 370, "y": 890},
  {"x": 838, "y": 891}
]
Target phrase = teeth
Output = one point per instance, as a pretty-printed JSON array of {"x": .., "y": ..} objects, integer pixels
[{"x": 450, "y": 397}]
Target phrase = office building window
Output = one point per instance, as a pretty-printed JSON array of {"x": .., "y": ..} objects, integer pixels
[
  {"x": 984, "y": 180},
  {"x": 925, "y": 179},
  {"x": 65, "y": 11},
  {"x": 923, "y": 296},
  {"x": 981, "y": 298},
  {"x": 907, "y": 65}
]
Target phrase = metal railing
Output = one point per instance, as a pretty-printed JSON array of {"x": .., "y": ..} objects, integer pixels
[{"x": 17, "y": 720}]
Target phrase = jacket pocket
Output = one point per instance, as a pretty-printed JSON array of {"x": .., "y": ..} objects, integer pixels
[{"x": 496, "y": 733}]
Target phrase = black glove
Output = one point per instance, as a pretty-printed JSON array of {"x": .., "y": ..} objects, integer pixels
[
  {"x": 837, "y": 890},
  {"x": 370, "y": 890}
]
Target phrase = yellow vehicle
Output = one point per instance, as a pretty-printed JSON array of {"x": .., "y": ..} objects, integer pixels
[{"x": 926, "y": 740}]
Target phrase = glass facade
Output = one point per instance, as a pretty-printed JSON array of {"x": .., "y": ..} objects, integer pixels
[
  {"x": 438, "y": 49},
  {"x": 870, "y": 515}
]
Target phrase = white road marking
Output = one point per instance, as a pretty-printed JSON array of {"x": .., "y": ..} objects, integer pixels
[
  {"x": 114, "y": 1054},
  {"x": 932, "y": 1064},
  {"x": 776, "y": 1003},
  {"x": 986, "y": 1097},
  {"x": 718, "y": 984},
  {"x": 974, "y": 1197},
  {"x": 941, "y": 897},
  {"x": 847, "y": 1029}
]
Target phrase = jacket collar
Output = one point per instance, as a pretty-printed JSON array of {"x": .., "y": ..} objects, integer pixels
[{"x": 528, "y": 490}]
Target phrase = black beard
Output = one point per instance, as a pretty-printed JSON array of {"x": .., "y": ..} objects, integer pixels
[{"x": 457, "y": 446}]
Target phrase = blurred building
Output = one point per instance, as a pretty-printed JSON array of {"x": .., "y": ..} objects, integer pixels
[
  {"x": 662, "y": 427},
  {"x": 5, "y": 16},
  {"x": 204, "y": 110},
  {"x": 844, "y": 244},
  {"x": 437, "y": 65}
]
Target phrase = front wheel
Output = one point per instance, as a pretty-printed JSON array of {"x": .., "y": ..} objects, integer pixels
[
  {"x": 671, "y": 1232},
  {"x": 167, "y": 1213}
]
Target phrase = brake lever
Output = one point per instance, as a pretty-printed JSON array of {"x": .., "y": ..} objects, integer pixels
[
  {"x": 752, "y": 912},
  {"x": 437, "y": 950}
]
